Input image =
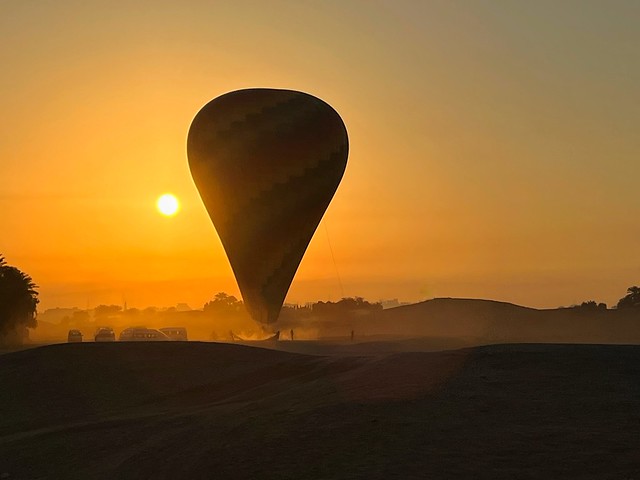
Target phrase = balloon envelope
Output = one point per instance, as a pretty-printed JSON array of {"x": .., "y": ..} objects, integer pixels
[{"x": 267, "y": 164}]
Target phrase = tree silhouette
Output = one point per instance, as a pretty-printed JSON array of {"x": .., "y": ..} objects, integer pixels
[
  {"x": 225, "y": 307},
  {"x": 631, "y": 300},
  {"x": 591, "y": 305},
  {"x": 18, "y": 301},
  {"x": 106, "y": 312},
  {"x": 223, "y": 303},
  {"x": 347, "y": 305}
]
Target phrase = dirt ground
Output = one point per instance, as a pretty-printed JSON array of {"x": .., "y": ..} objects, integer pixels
[{"x": 208, "y": 410}]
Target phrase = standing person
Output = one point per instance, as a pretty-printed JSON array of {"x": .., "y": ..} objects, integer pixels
[
  {"x": 291, "y": 332},
  {"x": 352, "y": 335}
]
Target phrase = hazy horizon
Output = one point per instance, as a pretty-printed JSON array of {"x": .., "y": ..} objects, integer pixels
[
  {"x": 493, "y": 148},
  {"x": 385, "y": 302}
]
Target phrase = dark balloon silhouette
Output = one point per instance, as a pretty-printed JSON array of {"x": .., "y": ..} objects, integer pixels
[{"x": 267, "y": 164}]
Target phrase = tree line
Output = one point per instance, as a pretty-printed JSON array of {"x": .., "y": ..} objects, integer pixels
[
  {"x": 630, "y": 300},
  {"x": 19, "y": 300}
]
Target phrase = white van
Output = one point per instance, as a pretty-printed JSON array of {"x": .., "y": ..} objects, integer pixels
[
  {"x": 175, "y": 333},
  {"x": 142, "y": 334}
]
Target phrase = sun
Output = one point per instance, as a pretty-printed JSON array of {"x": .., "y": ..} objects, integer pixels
[{"x": 168, "y": 204}]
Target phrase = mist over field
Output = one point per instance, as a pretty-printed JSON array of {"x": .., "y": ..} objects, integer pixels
[{"x": 452, "y": 321}]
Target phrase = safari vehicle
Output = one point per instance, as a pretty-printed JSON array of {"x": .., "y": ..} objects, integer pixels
[
  {"x": 74, "y": 336},
  {"x": 105, "y": 334},
  {"x": 175, "y": 333},
  {"x": 142, "y": 334}
]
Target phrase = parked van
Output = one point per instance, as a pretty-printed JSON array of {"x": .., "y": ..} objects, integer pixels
[
  {"x": 105, "y": 334},
  {"x": 74, "y": 336},
  {"x": 142, "y": 334},
  {"x": 175, "y": 333}
]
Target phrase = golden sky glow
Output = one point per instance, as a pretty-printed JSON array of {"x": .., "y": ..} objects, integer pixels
[{"x": 494, "y": 145}]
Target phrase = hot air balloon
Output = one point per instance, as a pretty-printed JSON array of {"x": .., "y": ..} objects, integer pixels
[{"x": 267, "y": 163}]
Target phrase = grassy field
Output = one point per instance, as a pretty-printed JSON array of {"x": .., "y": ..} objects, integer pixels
[{"x": 206, "y": 410}]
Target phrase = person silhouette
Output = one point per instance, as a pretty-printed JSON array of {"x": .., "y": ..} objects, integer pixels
[
  {"x": 352, "y": 335},
  {"x": 291, "y": 333}
]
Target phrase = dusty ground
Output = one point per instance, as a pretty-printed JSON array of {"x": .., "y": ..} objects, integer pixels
[{"x": 205, "y": 410}]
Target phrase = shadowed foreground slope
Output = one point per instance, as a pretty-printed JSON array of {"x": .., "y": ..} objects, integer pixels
[{"x": 192, "y": 410}]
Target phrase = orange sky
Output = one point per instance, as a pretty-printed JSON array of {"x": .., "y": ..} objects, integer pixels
[{"x": 494, "y": 148}]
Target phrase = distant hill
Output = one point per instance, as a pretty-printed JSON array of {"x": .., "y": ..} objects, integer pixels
[{"x": 487, "y": 321}]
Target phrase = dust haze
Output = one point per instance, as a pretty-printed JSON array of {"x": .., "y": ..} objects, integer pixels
[{"x": 434, "y": 324}]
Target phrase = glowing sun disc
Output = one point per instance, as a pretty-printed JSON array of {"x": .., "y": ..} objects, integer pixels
[{"x": 168, "y": 204}]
